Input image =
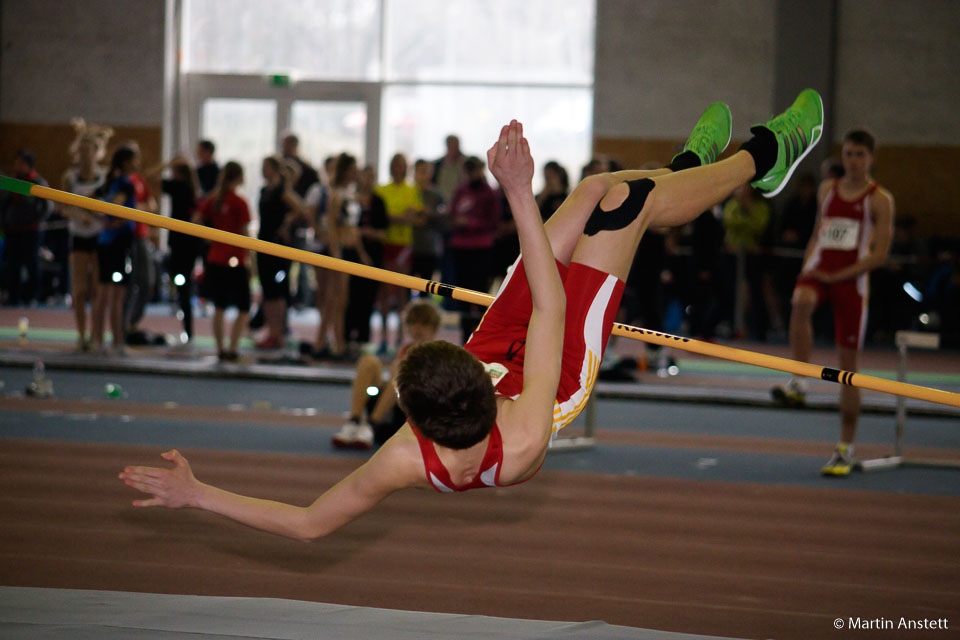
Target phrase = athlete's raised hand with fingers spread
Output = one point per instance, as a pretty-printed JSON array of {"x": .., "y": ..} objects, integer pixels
[
  {"x": 173, "y": 488},
  {"x": 509, "y": 159}
]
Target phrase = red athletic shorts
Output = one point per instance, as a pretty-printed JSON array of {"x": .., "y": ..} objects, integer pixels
[
  {"x": 592, "y": 301},
  {"x": 849, "y": 301}
]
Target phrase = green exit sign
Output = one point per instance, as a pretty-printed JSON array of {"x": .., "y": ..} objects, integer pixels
[{"x": 279, "y": 80}]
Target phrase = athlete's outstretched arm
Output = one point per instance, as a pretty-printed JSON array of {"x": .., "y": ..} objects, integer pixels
[
  {"x": 177, "y": 487},
  {"x": 510, "y": 161}
]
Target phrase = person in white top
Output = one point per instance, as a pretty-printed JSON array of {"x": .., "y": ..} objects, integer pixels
[
  {"x": 330, "y": 218},
  {"x": 83, "y": 178}
]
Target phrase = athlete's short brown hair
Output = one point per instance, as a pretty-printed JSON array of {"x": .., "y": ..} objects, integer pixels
[
  {"x": 861, "y": 137},
  {"x": 446, "y": 394}
]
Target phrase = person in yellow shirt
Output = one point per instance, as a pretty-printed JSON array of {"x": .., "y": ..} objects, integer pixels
[
  {"x": 746, "y": 217},
  {"x": 403, "y": 202}
]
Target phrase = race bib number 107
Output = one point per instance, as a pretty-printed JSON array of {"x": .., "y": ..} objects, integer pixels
[{"x": 839, "y": 233}]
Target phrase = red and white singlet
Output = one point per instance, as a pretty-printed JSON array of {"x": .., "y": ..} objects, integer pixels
[{"x": 846, "y": 227}]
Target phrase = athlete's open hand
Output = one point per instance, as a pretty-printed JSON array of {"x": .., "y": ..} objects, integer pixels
[
  {"x": 174, "y": 488},
  {"x": 509, "y": 159}
]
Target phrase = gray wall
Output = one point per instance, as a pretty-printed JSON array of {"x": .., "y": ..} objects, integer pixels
[
  {"x": 101, "y": 59},
  {"x": 658, "y": 62},
  {"x": 897, "y": 70}
]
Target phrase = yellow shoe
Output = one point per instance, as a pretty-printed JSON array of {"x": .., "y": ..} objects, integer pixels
[
  {"x": 789, "y": 395},
  {"x": 840, "y": 464}
]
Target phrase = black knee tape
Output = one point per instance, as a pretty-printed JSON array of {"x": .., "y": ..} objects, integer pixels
[{"x": 623, "y": 215}]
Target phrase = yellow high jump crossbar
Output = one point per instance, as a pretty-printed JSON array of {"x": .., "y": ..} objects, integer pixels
[{"x": 429, "y": 286}]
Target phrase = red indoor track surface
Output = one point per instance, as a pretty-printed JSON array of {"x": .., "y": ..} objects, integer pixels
[{"x": 743, "y": 560}]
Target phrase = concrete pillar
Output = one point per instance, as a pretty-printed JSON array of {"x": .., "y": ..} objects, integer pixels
[{"x": 805, "y": 55}]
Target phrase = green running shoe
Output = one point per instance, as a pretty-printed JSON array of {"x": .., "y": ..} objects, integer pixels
[
  {"x": 711, "y": 135},
  {"x": 798, "y": 130}
]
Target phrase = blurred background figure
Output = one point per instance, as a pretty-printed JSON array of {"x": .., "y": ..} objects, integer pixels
[
  {"x": 370, "y": 395},
  {"x": 745, "y": 219},
  {"x": 279, "y": 207},
  {"x": 372, "y": 231},
  {"x": 305, "y": 176},
  {"x": 428, "y": 223},
  {"x": 793, "y": 229},
  {"x": 556, "y": 187},
  {"x": 831, "y": 169},
  {"x": 113, "y": 251},
  {"x": 447, "y": 177},
  {"x": 21, "y": 217},
  {"x": 592, "y": 168},
  {"x": 506, "y": 242},
  {"x": 316, "y": 205},
  {"x": 329, "y": 165},
  {"x": 403, "y": 205},
  {"x": 448, "y": 173},
  {"x": 336, "y": 230},
  {"x": 942, "y": 296},
  {"x": 207, "y": 168},
  {"x": 183, "y": 189},
  {"x": 706, "y": 244},
  {"x": 227, "y": 279},
  {"x": 474, "y": 219},
  {"x": 143, "y": 275},
  {"x": 84, "y": 178}
]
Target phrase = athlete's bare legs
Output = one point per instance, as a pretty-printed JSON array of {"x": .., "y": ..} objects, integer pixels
[
  {"x": 803, "y": 304},
  {"x": 565, "y": 226},
  {"x": 676, "y": 198},
  {"x": 849, "y": 397},
  {"x": 580, "y": 210},
  {"x": 673, "y": 198}
]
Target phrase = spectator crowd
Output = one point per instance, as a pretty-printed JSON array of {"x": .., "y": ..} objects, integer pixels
[{"x": 729, "y": 274}]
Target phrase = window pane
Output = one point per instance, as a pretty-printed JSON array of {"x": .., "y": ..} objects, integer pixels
[
  {"x": 329, "y": 128},
  {"x": 315, "y": 39},
  {"x": 537, "y": 41},
  {"x": 244, "y": 131},
  {"x": 417, "y": 119}
]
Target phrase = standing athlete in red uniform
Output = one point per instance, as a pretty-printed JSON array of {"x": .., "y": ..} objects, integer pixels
[
  {"x": 483, "y": 415},
  {"x": 851, "y": 238}
]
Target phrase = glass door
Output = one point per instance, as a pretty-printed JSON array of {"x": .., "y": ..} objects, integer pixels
[
  {"x": 244, "y": 116},
  {"x": 244, "y": 130},
  {"x": 329, "y": 127}
]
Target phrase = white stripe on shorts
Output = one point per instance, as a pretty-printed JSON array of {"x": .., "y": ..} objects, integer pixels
[{"x": 565, "y": 412}]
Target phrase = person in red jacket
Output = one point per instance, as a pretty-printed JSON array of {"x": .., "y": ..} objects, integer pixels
[{"x": 227, "y": 280}]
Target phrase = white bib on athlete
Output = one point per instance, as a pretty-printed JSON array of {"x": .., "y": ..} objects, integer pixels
[
  {"x": 495, "y": 370},
  {"x": 840, "y": 234}
]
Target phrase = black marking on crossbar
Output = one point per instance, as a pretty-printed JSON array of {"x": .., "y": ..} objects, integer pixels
[
  {"x": 647, "y": 332},
  {"x": 439, "y": 288},
  {"x": 835, "y": 375}
]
